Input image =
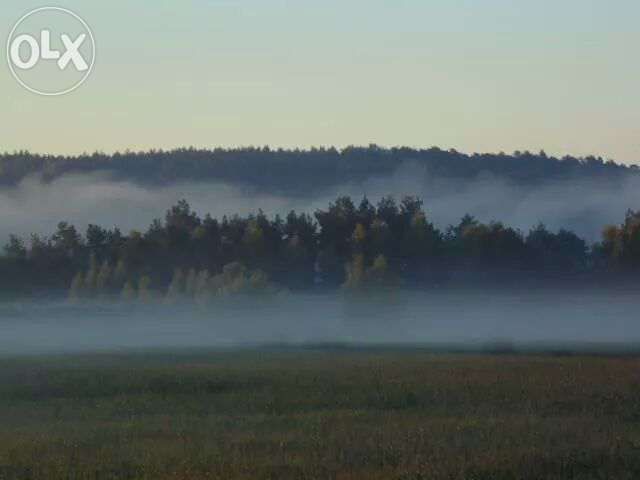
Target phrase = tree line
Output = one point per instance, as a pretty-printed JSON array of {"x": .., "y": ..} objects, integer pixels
[
  {"x": 348, "y": 245},
  {"x": 303, "y": 171}
]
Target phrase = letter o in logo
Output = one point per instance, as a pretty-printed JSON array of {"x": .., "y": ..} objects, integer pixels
[{"x": 15, "y": 52}]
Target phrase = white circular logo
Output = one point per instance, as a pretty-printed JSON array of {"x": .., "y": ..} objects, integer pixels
[{"x": 51, "y": 51}]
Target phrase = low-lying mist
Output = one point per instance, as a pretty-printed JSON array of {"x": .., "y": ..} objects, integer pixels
[
  {"x": 464, "y": 318},
  {"x": 585, "y": 207}
]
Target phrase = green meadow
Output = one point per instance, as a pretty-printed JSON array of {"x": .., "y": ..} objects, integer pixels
[{"x": 319, "y": 414}]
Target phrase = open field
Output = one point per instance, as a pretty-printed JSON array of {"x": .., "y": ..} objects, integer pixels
[{"x": 319, "y": 414}]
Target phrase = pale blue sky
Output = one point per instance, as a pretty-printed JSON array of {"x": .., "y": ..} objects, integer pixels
[{"x": 473, "y": 75}]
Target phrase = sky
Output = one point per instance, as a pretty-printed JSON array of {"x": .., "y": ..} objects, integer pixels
[{"x": 475, "y": 75}]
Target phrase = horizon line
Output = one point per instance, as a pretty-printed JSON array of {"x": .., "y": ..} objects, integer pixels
[{"x": 314, "y": 148}]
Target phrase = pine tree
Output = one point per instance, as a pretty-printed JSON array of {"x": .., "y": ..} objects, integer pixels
[
  {"x": 103, "y": 281},
  {"x": 202, "y": 287},
  {"x": 355, "y": 273},
  {"x": 145, "y": 293},
  {"x": 190, "y": 284},
  {"x": 91, "y": 278},
  {"x": 120, "y": 274},
  {"x": 129, "y": 291},
  {"x": 176, "y": 287},
  {"x": 76, "y": 290}
]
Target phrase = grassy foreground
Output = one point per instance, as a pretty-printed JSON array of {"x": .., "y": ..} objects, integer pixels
[{"x": 319, "y": 415}]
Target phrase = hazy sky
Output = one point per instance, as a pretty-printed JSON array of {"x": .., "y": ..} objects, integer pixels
[{"x": 476, "y": 75}]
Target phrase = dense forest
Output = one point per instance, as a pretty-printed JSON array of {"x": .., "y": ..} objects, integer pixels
[
  {"x": 352, "y": 246},
  {"x": 306, "y": 171}
]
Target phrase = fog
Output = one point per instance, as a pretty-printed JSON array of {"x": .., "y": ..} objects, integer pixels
[
  {"x": 463, "y": 318},
  {"x": 37, "y": 207},
  {"x": 460, "y": 317}
]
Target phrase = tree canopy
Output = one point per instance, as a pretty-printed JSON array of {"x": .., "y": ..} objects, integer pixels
[
  {"x": 304, "y": 171},
  {"x": 346, "y": 245}
]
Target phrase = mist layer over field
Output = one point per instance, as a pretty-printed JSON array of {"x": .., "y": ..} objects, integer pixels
[
  {"x": 583, "y": 206},
  {"x": 469, "y": 319}
]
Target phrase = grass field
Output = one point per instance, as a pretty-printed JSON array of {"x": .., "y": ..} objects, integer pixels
[{"x": 319, "y": 414}]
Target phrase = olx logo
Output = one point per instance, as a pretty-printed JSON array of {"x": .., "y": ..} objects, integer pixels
[
  {"x": 43, "y": 51},
  {"x": 51, "y": 51}
]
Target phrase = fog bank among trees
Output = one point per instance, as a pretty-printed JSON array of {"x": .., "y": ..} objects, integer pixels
[
  {"x": 127, "y": 189},
  {"x": 304, "y": 171},
  {"x": 349, "y": 246}
]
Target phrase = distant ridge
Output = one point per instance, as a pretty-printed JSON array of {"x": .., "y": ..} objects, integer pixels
[{"x": 304, "y": 171}]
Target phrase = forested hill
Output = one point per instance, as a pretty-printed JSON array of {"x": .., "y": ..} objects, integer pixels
[{"x": 303, "y": 171}]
